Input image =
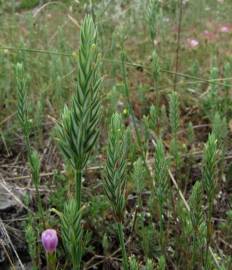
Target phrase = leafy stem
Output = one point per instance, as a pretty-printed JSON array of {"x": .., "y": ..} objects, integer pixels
[
  {"x": 78, "y": 176},
  {"x": 122, "y": 244}
]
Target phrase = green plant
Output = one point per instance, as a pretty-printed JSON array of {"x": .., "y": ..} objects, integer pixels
[
  {"x": 190, "y": 133},
  {"x": 77, "y": 131},
  {"x": 105, "y": 244},
  {"x": 162, "y": 263},
  {"x": 139, "y": 176},
  {"x": 147, "y": 233},
  {"x": 154, "y": 118},
  {"x": 163, "y": 120},
  {"x": 72, "y": 233},
  {"x": 214, "y": 73},
  {"x": 226, "y": 226},
  {"x": 22, "y": 108},
  {"x": 220, "y": 130},
  {"x": 133, "y": 263},
  {"x": 31, "y": 238},
  {"x": 156, "y": 72},
  {"x": 174, "y": 113},
  {"x": 115, "y": 176},
  {"x": 27, "y": 4},
  {"x": 149, "y": 264},
  {"x": 151, "y": 16},
  {"x": 39, "y": 117},
  {"x": 129, "y": 104},
  {"x": 57, "y": 198},
  {"x": 35, "y": 171},
  {"x": 183, "y": 241},
  {"x": 212, "y": 100},
  {"x": 22, "y": 112},
  {"x": 142, "y": 49},
  {"x": 209, "y": 182},
  {"x": 174, "y": 119},
  {"x": 155, "y": 66},
  {"x": 197, "y": 220},
  {"x": 161, "y": 187},
  {"x": 227, "y": 73}
]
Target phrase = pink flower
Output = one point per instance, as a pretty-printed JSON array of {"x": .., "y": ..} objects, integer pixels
[
  {"x": 208, "y": 35},
  {"x": 224, "y": 29},
  {"x": 49, "y": 240},
  {"x": 192, "y": 43}
]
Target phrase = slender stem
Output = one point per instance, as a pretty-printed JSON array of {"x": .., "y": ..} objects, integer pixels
[
  {"x": 28, "y": 145},
  {"x": 51, "y": 261},
  {"x": 77, "y": 259},
  {"x": 131, "y": 111},
  {"x": 194, "y": 251},
  {"x": 39, "y": 205},
  {"x": 178, "y": 42},
  {"x": 209, "y": 231},
  {"x": 35, "y": 181},
  {"x": 78, "y": 176},
  {"x": 176, "y": 154},
  {"x": 161, "y": 230},
  {"x": 122, "y": 244},
  {"x": 76, "y": 256}
]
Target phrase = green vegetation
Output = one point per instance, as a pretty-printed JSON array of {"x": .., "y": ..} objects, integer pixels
[{"x": 116, "y": 120}]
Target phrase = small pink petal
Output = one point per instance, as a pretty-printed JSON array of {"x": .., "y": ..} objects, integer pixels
[
  {"x": 192, "y": 43},
  {"x": 49, "y": 240},
  {"x": 208, "y": 35},
  {"x": 224, "y": 29}
]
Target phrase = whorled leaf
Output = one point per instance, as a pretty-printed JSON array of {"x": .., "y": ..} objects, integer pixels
[
  {"x": 78, "y": 130},
  {"x": 115, "y": 173}
]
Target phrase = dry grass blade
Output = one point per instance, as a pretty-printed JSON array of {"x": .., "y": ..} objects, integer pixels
[
  {"x": 7, "y": 254},
  {"x": 9, "y": 242},
  {"x": 4, "y": 186}
]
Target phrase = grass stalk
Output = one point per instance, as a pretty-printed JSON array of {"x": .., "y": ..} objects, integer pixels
[
  {"x": 122, "y": 244},
  {"x": 131, "y": 111},
  {"x": 78, "y": 176}
]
